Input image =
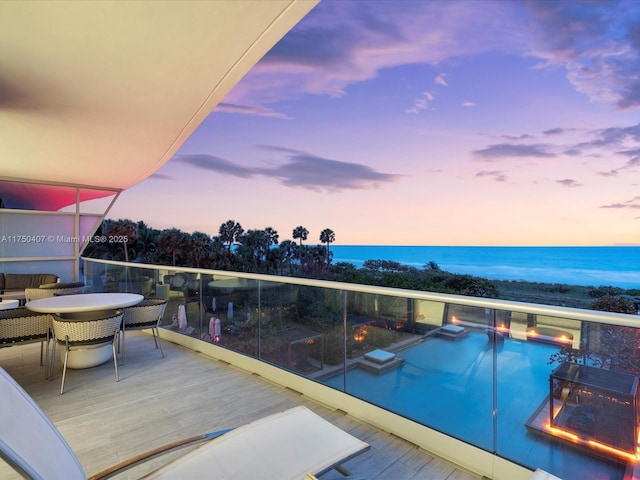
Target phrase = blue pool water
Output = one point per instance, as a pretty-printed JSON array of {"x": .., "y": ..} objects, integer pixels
[{"x": 448, "y": 386}]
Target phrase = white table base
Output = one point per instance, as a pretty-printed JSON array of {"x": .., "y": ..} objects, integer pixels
[
  {"x": 92, "y": 356},
  {"x": 86, "y": 306}
]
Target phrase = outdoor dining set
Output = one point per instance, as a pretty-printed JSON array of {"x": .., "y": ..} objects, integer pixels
[{"x": 88, "y": 327}]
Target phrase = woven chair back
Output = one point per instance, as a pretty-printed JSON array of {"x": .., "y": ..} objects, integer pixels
[
  {"x": 97, "y": 329},
  {"x": 146, "y": 312},
  {"x": 20, "y": 324},
  {"x": 38, "y": 293}
]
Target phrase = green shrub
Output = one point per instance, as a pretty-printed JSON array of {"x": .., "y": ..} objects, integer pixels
[
  {"x": 614, "y": 303},
  {"x": 603, "y": 290}
]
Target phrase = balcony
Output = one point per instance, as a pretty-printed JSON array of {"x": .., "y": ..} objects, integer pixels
[
  {"x": 160, "y": 400},
  {"x": 486, "y": 386}
]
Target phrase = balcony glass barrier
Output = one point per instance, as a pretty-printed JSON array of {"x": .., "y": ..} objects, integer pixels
[{"x": 543, "y": 387}]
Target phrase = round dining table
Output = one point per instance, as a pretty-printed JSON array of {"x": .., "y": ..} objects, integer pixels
[{"x": 85, "y": 306}]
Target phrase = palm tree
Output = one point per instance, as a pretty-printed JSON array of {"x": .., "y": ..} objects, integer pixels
[
  {"x": 173, "y": 242},
  {"x": 125, "y": 232},
  {"x": 221, "y": 257},
  {"x": 318, "y": 256},
  {"x": 200, "y": 248},
  {"x": 230, "y": 232},
  {"x": 272, "y": 234},
  {"x": 289, "y": 253},
  {"x": 253, "y": 249},
  {"x": 327, "y": 236},
  {"x": 301, "y": 233},
  {"x": 146, "y": 243},
  {"x": 275, "y": 260}
]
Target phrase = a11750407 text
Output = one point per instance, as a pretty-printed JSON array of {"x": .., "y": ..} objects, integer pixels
[{"x": 63, "y": 239}]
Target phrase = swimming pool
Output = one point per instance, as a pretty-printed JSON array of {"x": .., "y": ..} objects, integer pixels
[{"x": 449, "y": 386}]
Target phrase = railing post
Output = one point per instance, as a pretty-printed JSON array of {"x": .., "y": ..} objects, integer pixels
[
  {"x": 259, "y": 319},
  {"x": 201, "y": 308},
  {"x": 344, "y": 340},
  {"x": 494, "y": 379}
]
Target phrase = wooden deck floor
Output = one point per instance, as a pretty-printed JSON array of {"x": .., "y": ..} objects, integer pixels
[{"x": 161, "y": 400}]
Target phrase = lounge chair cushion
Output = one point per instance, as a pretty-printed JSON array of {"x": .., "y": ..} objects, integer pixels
[
  {"x": 287, "y": 445},
  {"x": 452, "y": 329},
  {"x": 380, "y": 356}
]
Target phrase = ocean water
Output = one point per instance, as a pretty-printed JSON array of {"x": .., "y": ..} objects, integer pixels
[{"x": 617, "y": 266}]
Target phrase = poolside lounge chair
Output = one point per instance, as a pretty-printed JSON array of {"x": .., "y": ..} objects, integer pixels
[{"x": 287, "y": 445}]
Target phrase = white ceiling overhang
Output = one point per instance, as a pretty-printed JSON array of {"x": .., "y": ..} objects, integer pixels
[{"x": 103, "y": 93}]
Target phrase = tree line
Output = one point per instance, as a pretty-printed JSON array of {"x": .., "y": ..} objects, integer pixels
[
  {"x": 261, "y": 251},
  {"x": 255, "y": 250}
]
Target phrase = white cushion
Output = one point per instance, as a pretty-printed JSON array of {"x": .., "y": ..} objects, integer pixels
[
  {"x": 452, "y": 329},
  {"x": 380, "y": 356}
]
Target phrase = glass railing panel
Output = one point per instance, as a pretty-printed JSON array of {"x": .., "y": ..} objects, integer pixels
[
  {"x": 231, "y": 315},
  {"x": 477, "y": 318},
  {"x": 104, "y": 277},
  {"x": 565, "y": 329},
  {"x": 300, "y": 327},
  {"x": 139, "y": 280},
  {"x": 540, "y": 369},
  {"x": 450, "y": 375},
  {"x": 182, "y": 291},
  {"x": 409, "y": 365},
  {"x": 471, "y": 368},
  {"x": 428, "y": 316}
]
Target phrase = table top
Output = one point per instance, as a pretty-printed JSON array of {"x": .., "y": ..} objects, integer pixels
[{"x": 85, "y": 302}]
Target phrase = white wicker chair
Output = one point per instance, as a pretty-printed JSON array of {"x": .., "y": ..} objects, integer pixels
[
  {"x": 75, "y": 332},
  {"x": 38, "y": 293},
  {"x": 19, "y": 325},
  {"x": 145, "y": 315}
]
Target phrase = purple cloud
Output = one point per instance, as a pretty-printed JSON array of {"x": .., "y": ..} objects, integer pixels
[
  {"x": 569, "y": 182},
  {"x": 509, "y": 150},
  {"x": 216, "y": 164},
  {"x": 634, "y": 203},
  {"x": 301, "y": 170},
  {"x": 342, "y": 43},
  {"x": 309, "y": 171},
  {"x": 598, "y": 47},
  {"x": 496, "y": 175}
]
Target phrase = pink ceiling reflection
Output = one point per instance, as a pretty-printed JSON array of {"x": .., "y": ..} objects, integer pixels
[{"x": 31, "y": 196}]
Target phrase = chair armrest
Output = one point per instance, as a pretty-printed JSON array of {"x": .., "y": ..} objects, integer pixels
[{"x": 143, "y": 457}]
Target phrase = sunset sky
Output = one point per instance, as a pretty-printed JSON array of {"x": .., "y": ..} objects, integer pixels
[{"x": 424, "y": 123}]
